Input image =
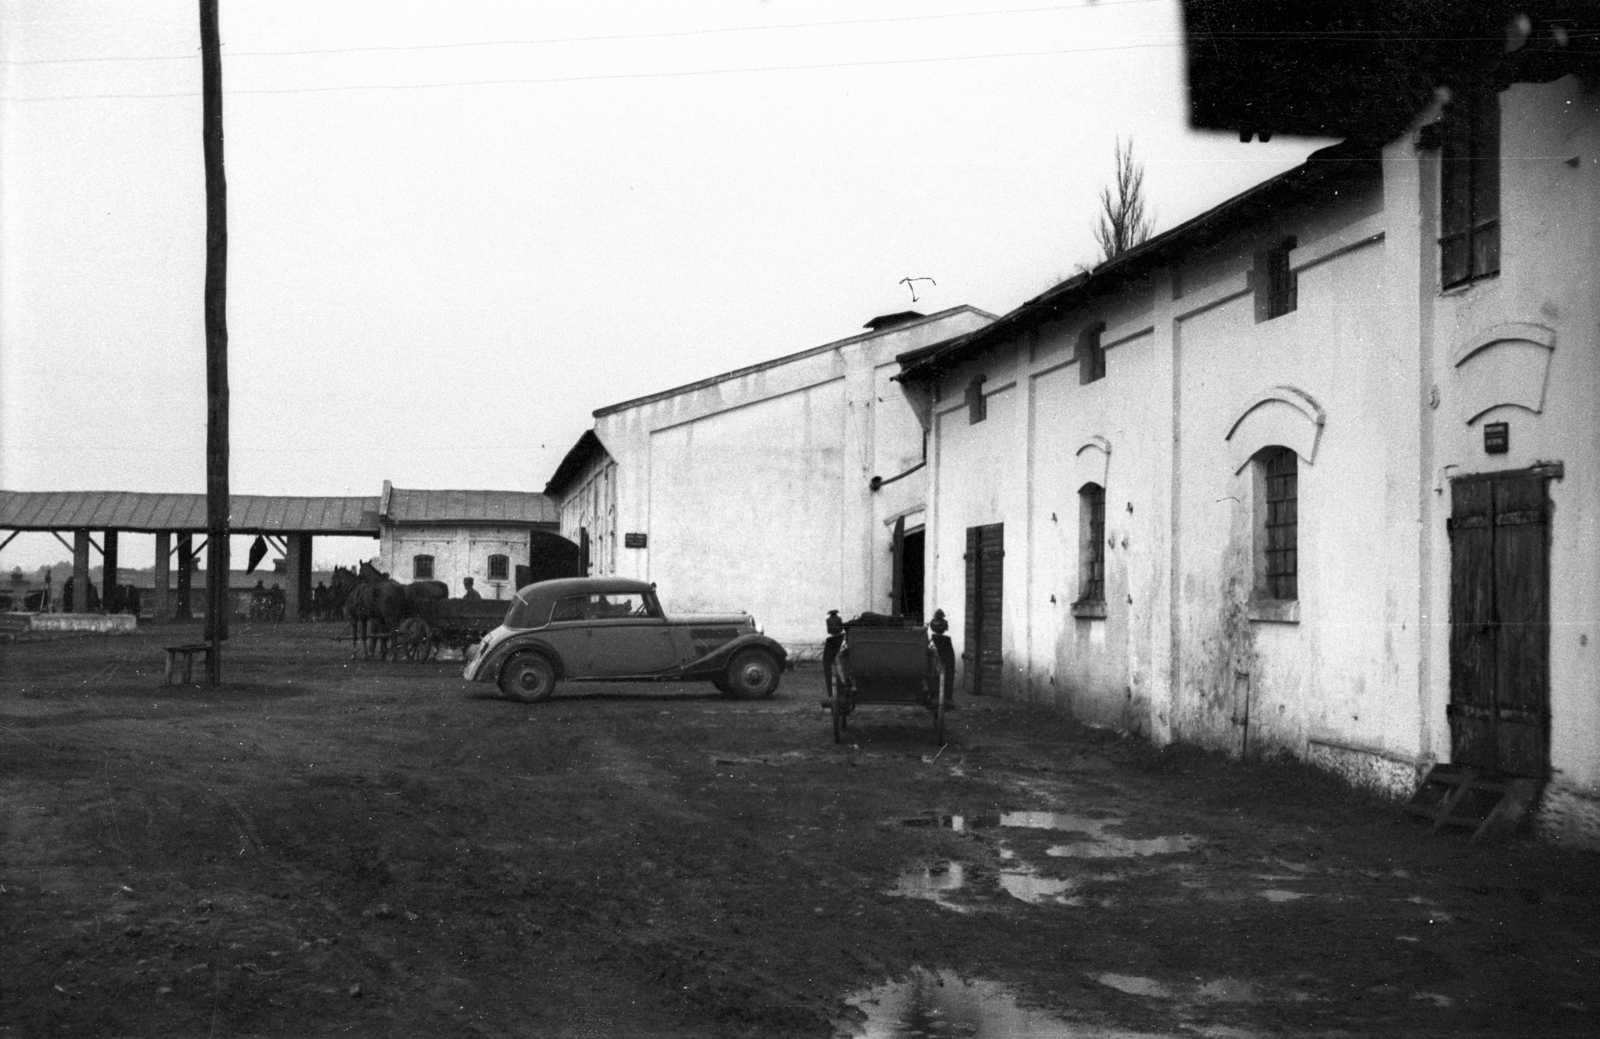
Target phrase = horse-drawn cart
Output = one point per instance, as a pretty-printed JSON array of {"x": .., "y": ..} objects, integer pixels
[
  {"x": 447, "y": 624},
  {"x": 877, "y": 659}
]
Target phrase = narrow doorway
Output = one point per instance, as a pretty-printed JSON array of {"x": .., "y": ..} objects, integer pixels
[
  {"x": 980, "y": 651},
  {"x": 905, "y": 579},
  {"x": 1500, "y": 622}
]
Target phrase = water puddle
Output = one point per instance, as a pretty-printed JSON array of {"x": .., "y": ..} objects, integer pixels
[
  {"x": 935, "y": 883},
  {"x": 1229, "y": 990},
  {"x": 1135, "y": 986},
  {"x": 1037, "y": 890},
  {"x": 1098, "y": 843},
  {"x": 1110, "y": 846},
  {"x": 938, "y": 1005},
  {"x": 1273, "y": 894}
]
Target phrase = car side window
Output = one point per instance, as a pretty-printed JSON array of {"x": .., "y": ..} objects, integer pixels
[{"x": 603, "y": 607}]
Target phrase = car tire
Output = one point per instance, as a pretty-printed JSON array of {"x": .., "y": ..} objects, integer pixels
[
  {"x": 528, "y": 678},
  {"x": 753, "y": 674}
]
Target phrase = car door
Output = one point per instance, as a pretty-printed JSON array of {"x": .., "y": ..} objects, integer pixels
[{"x": 628, "y": 636}]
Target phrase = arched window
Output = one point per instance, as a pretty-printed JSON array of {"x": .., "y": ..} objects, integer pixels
[
  {"x": 499, "y": 567},
  {"x": 977, "y": 403},
  {"x": 1091, "y": 543},
  {"x": 422, "y": 568},
  {"x": 1277, "y": 523},
  {"x": 1091, "y": 354}
]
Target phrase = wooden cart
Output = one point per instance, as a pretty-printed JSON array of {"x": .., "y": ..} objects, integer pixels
[
  {"x": 878, "y": 659},
  {"x": 452, "y": 623}
]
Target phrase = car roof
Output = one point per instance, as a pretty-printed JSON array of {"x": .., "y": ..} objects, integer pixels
[{"x": 545, "y": 593}]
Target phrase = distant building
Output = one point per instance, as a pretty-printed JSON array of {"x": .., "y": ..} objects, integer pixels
[
  {"x": 489, "y": 536},
  {"x": 779, "y": 488}
]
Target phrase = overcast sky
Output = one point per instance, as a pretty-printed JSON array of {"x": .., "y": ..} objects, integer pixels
[{"x": 457, "y": 229}]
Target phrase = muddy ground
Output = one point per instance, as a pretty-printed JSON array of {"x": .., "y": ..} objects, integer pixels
[{"x": 378, "y": 849}]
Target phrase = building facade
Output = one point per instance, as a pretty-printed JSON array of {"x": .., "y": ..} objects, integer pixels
[
  {"x": 1314, "y": 472},
  {"x": 489, "y": 536},
  {"x": 788, "y": 488}
]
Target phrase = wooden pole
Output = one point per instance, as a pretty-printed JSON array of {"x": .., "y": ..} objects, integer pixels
[{"x": 216, "y": 323}]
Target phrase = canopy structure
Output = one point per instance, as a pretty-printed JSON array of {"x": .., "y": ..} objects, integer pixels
[{"x": 184, "y": 513}]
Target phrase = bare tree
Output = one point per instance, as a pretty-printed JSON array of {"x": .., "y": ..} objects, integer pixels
[{"x": 1123, "y": 223}]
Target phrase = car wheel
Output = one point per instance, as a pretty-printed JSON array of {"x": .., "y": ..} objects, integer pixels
[
  {"x": 753, "y": 674},
  {"x": 528, "y": 678}
]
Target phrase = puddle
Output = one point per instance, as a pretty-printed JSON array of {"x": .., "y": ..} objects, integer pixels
[
  {"x": 934, "y": 883},
  {"x": 1098, "y": 844},
  {"x": 1036, "y": 890},
  {"x": 1135, "y": 986},
  {"x": 938, "y": 1005},
  {"x": 1273, "y": 894},
  {"x": 1229, "y": 990}
]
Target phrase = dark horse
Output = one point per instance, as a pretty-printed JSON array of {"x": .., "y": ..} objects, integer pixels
[{"x": 375, "y": 605}]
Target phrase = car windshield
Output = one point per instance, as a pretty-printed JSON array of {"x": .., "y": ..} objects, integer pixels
[{"x": 603, "y": 607}]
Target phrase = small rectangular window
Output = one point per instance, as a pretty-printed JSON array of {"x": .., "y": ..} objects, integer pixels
[
  {"x": 499, "y": 568},
  {"x": 1469, "y": 188},
  {"x": 977, "y": 404},
  {"x": 1091, "y": 355},
  {"x": 422, "y": 568},
  {"x": 1091, "y": 543},
  {"x": 1277, "y": 289}
]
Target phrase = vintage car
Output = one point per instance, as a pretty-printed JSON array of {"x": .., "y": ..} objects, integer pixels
[{"x": 612, "y": 630}]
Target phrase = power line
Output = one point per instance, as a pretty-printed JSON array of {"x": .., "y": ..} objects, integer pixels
[
  {"x": 612, "y": 76},
  {"x": 587, "y": 39}
]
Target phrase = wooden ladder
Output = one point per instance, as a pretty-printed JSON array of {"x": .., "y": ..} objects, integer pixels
[{"x": 1491, "y": 804}]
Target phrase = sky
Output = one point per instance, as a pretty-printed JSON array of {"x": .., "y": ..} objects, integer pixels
[{"x": 455, "y": 230}]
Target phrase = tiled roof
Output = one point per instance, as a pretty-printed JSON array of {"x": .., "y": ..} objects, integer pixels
[
  {"x": 149, "y": 513},
  {"x": 515, "y": 508}
]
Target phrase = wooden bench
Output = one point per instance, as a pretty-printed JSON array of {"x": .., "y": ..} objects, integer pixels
[{"x": 187, "y": 651}]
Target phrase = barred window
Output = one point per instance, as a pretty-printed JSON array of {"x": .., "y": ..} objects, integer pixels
[
  {"x": 422, "y": 568},
  {"x": 1277, "y": 288},
  {"x": 1091, "y": 543},
  {"x": 1277, "y": 556},
  {"x": 1091, "y": 354},
  {"x": 1469, "y": 188},
  {"x": 499, "y": 568}
]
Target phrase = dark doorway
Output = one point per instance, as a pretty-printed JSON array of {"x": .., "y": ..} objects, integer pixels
[
  {"x": 1500, "y": 622},
  {"x": 980, "y": 652},
  {"x": 549, "y": 556},
  {"x": 911, "y": 575}
]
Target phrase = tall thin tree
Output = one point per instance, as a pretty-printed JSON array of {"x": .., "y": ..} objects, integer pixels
[
  {"x": 216, "y": 325},
  {"x": 1123, "y": 223}
]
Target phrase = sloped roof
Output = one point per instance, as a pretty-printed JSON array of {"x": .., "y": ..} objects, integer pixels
[
  {"x": 153, "y": 513},
  {"x": 588, "y": 447},
  {"x": 511, "y": 508}
]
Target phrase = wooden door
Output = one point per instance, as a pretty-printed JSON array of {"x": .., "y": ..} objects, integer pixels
[
  {"x": 981, "y": 649},
  {"x": 1500, "y": 622}
]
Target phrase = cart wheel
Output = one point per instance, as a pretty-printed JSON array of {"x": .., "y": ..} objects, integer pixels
[{"x": 940, "y": 699}]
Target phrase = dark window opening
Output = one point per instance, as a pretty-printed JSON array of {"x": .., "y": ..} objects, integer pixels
[
  {"x": 1091, "y": 543},
  {"x": 499, "y": 568},
  {"x": 1469, "y": 189},
  {"x": 1279, "y": 526},
  {"x": 422, "y": 568},
  {"x": 1091, "y": 355},
  {"x": 1277, "y": 288},
  {"x": 977, "y": 404}
]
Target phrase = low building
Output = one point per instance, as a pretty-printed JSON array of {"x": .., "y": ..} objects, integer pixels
[
  {"x": 1317, "y": 471},
  {"x": 788, "y": 488},
  {"x": 497, "y": 538}
]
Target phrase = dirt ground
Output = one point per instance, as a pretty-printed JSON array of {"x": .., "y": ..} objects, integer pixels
[{"x": 379, "y": 849}]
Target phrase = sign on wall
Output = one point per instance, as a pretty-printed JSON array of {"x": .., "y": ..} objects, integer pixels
[{"x": 634, "y": 540}]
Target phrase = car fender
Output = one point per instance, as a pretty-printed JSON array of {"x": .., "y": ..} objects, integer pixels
[
  {"x": 489, "y": 670},
  {"x": 718, "y": 658}
]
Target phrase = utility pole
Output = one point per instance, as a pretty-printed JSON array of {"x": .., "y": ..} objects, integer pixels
[{"x": 216, "y": 318}]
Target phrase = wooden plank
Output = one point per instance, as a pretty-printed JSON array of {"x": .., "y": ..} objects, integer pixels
[
  {"x": 1522, "y": 598},
  {"x": 1472, "y": 622}
]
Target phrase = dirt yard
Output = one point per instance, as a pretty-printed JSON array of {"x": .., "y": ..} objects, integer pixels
[{"x": 378, "y": 849}]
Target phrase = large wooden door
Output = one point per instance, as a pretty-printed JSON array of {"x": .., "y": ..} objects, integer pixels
[
  {"x": 1500, "y": 622},
  {"x": 980, "y": 651}
]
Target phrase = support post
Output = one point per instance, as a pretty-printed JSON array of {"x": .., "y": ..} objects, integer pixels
[
  {"x": 110, "y": 589},
  {"x": 297, "y": 561},
  {"x": 216, "y": 325},
  {"x": 80, "y": 573},
  {"x": 185, "y": 611},
  {"x": 161, "y": 607}
]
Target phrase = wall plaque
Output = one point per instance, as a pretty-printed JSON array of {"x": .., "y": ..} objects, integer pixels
[
  {"x": 1497, "y": 437},
  {"x": 634, "y": 540}
]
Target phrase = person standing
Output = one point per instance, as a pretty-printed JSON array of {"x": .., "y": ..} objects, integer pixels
[{"x": 471, "y": 592}]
